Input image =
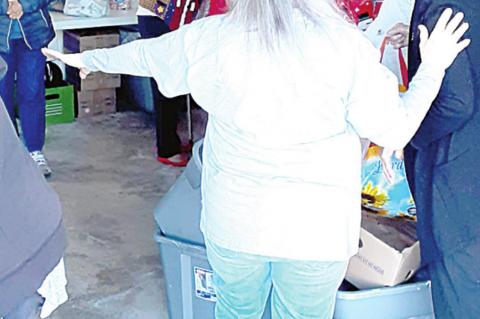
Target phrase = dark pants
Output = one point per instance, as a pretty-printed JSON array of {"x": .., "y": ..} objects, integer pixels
[
  {"x": 29, "y": 66},
  {"x": 28, "y": 309},
  {"x": 166, "y": 110},
  {"x": 456, "y": 284}
]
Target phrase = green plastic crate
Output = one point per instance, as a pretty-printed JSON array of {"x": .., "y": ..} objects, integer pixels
[{"x": 59, "y": 105}]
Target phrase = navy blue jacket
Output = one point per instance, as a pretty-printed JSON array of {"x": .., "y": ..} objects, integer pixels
[
  {"x": 35, "y": 22},
  {"x": 32, "y": 237},
  {"x": 442, "y": 158}
]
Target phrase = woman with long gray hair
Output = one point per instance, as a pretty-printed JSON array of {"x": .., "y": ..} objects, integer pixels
[{"x": 290, "y": 86}]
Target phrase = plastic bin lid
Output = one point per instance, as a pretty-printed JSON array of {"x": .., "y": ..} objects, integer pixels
[{"x": 177, "y": 214}]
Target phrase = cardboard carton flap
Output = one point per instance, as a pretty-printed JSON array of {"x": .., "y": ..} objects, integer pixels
[
  {"x": 410, "y": 262},
  {"x": 396, "y": 232}
]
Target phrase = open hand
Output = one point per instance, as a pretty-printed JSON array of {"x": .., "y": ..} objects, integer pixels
[
  {"x": 15, "y": 9},
  {"x": 441, "y": 47},
  {"x": 398, "y": 35},
  {"x": 73, "y": 60}
]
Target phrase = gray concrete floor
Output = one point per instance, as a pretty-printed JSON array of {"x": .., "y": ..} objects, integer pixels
[{"x": 109, "y": 183}]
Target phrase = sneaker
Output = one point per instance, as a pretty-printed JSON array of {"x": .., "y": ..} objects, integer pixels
[
  {"x": 178, "y": 160},
  {"x": 39, "y": 158}
]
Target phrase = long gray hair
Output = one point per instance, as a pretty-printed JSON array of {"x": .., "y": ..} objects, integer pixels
[{"x": 273, "y": 20}]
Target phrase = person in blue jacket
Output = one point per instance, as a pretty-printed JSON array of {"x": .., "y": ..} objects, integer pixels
[
  {"x": 25, "y": 27},
  {"x": 441, "y": 162}
]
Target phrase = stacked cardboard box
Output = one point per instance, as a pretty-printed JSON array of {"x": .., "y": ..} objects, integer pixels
[{"x": 95, "y": 94}]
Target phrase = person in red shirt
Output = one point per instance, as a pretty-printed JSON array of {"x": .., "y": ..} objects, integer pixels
[{"x": 156, "y": 18}]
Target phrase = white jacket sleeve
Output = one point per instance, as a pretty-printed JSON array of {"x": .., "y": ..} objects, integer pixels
[
  {"x": 375, "y": 108},
  {"x": 163, "y": 58}
]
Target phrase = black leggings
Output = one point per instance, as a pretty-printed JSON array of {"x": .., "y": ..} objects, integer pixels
[{"x": 166, "y": 110}]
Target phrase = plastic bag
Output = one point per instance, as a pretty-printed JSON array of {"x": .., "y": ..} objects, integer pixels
[
  {"x": 86, "y": 8},
  {"x": 120, "y": 4},
  {"x": 379, "y": 194},
  {"x": 403, "y": 85},
  {"x": 392, "y": 199}
]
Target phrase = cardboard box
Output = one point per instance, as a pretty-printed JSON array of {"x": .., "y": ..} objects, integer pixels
[
  {"x": 389, "y": 252},
  {"x": 91, "y": 103},
  {"x": 94, "y": 81},
  {"x": 88, "y": 39}
]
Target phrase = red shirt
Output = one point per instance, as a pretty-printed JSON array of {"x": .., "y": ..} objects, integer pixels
[{"x": 217, "y": 7}]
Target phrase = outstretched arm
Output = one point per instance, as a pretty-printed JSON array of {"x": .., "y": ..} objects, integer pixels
[
  {"x": 375, "y": 109},
  {"x": 163, "y": 58}
]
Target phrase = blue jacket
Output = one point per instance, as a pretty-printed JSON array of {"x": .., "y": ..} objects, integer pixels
[
  {"x": 32, "y": 237},
  {"x": 442, "y": 158},
  {"x": 35, "y": 23}
]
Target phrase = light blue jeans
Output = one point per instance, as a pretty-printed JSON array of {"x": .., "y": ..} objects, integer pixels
[{"x": 300, "y": 289}]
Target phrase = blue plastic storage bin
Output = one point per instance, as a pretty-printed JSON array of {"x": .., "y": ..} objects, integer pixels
[{"x": 409, "y": 301}]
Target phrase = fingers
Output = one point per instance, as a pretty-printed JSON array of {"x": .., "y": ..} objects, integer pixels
[
  {"x": 460, "y": 32},
  {"x": 15, "y": 15},
  {"x": 399, "y": 45},
  {"x": 73, "y": 60},
  {"x": 398, "y": 35},
  {"x": 387, "y": 170},
  {"x": 463, "y": 45},
  {"x": 399, "y": 28},
  {"x": 451, "y": 25},
  {"x": 423, "y": 35},
  {"x": 398, "y": 41},
  {"x": 15, "y": 10},
  {"x": 442, "y": 46},
  {"x": 444, "y": 19},
  {"x": 454, "y": 23},
  {"x": 386, "y": 160},
  {"x": 399, "y": 155},
  {"x": 395, "y": 31},
  {"x": 83, "y": 73},
  {"x": 52, "y": 54}
]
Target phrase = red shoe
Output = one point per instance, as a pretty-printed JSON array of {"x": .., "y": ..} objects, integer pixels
[{"x": 177, "y": 160}]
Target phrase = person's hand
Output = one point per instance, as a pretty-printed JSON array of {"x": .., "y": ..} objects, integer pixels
[
  {"x": 386, "y": 160},
  {"x": 15, "y": 9},
  {"x": 398, "y": 35},
  {"x": 73, "y": 60},
  {"x": 442, "y": 46}
]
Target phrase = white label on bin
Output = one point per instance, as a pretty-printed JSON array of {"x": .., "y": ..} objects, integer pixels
[{"x": 204, "y": 284}]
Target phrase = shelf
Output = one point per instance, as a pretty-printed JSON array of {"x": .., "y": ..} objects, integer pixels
[{"x": 114, "y": 18}]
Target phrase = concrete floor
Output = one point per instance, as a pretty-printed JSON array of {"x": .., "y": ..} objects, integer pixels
[{"x": 109, "y": 183}]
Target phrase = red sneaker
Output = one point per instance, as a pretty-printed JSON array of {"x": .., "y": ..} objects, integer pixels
[{"x": 177, "y": 160}]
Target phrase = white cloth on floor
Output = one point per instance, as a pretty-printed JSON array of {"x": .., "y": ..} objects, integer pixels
[{"x": 54, "y": 290}]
